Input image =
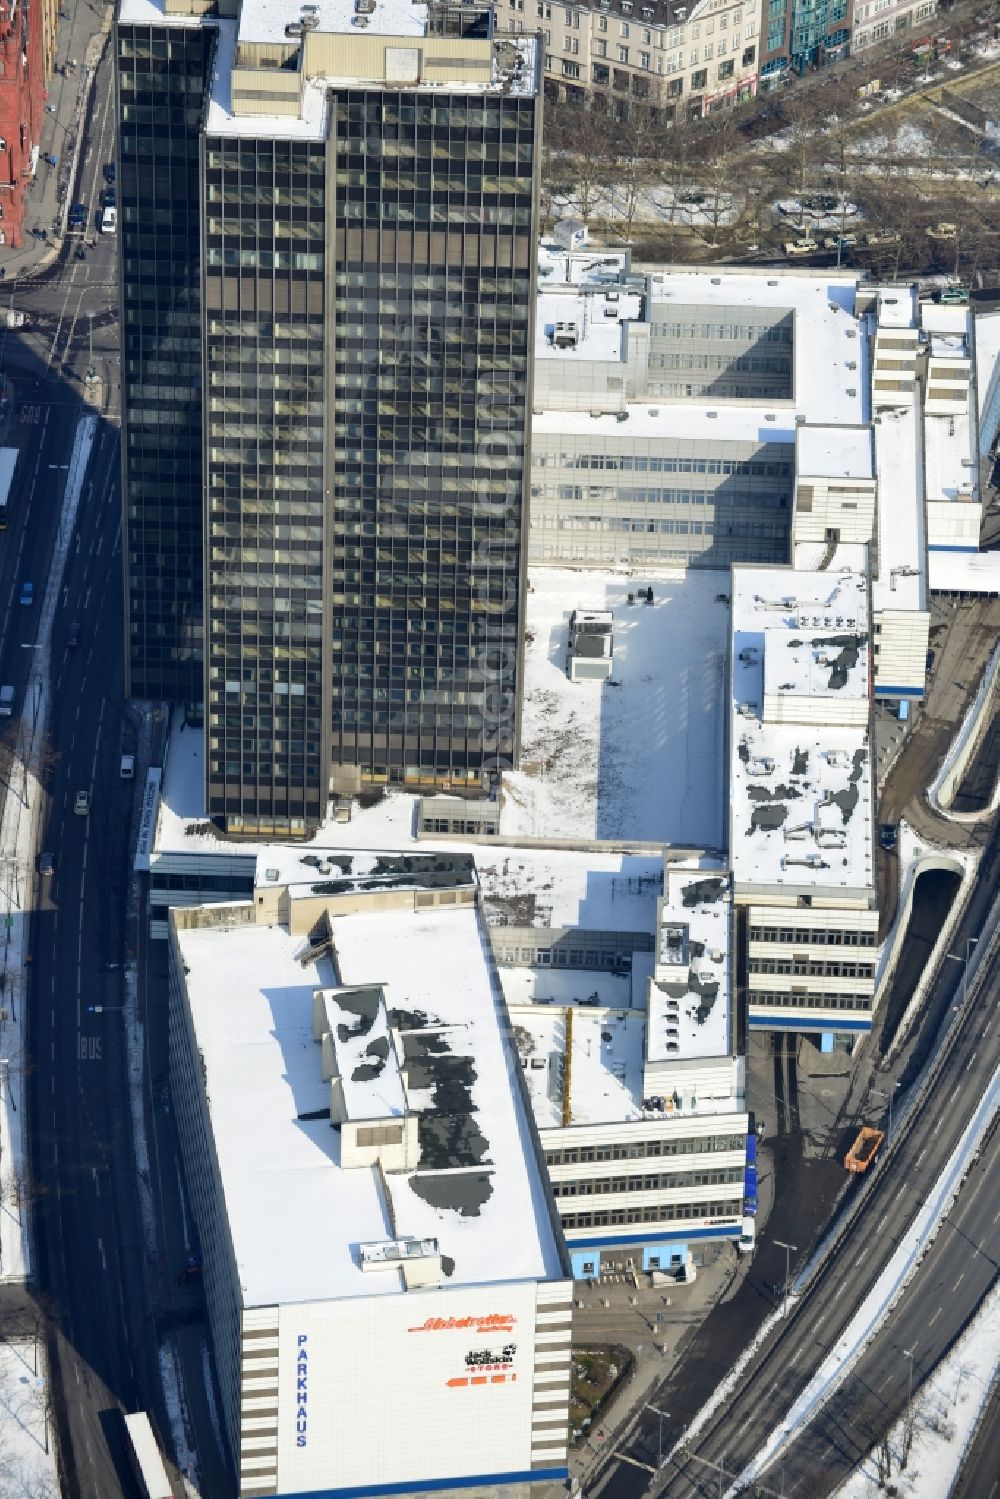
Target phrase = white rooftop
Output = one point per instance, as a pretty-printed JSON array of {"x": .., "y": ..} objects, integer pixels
[
  {"x": 579, "y": 326},
  {"x": 798, "y": 662},
  {"x": 251, "y": 1002},
  {"x": 640, "y": 757},
  {"x": 964, "y": 572},
  {"x": 435, "y": 968},
  {"x": 800, "y": 793},
  {"x": 902, "y": 542},
  {"x": 367, "y": 1062},
  {"x": 265, "y": 20},
  {"x": 589, "y": 1061},
  {"x": 690, "y": 1001},
  {"x": 835, "y": 452},
  {"x": 897, "y": 307},
  {"x": 828, "y": 337},
  {"x": 950, "y": 459}
]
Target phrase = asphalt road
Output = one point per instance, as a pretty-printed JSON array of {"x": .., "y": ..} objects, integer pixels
[
  {"x": 980, "y": 1476},
  {"x": 957, "y": 1273},
  {"x": 964, "y": 1263}
]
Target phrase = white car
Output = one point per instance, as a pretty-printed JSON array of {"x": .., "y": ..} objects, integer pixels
[
  {"x": 800, "y": 247},
  {"x": 109, "y": 220},
  {"x": 82, "y": 804}
]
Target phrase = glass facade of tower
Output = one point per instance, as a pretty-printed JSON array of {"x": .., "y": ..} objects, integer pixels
[
  {"x": 162, "y": 77},
  {"x": 265, "y": 331},
  {"x": 432, "y": 303},
  {"x": 327, "y": 371}
]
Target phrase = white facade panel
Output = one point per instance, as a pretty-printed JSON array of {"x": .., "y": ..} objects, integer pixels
[{"x": 439, "y": 1383}]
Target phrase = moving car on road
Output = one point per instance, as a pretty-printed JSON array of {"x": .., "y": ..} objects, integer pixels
[
  {"x": 27, "y": 593},
  {"x": 82, "y": 804},
  {"x": 887, "y": 836}
]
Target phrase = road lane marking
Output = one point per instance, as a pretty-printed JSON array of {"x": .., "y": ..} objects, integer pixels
[
  {"x": 100, "y": 1248},
  {"x": 971, "y": 1060},
  {"x": 935, "y": 1317},
  {"x": 958, "y": 1281},
  {"x": 921, "y": 1155}
]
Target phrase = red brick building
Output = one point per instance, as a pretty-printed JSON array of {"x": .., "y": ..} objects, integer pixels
[{"x": 23, "y": 58}]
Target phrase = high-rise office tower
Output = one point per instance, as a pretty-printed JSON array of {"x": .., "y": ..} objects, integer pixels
[{"x": 327, "y": 239}]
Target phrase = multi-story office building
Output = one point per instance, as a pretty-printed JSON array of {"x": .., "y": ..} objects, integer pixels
[
  {"x": 624, "y": 55},
  {"x": 801, "y": 798},
  {"x": 385, "y": 1277},
  {"x": 668, "y": 406},
  {"x": 642, "y": 1111},
  {"x": 327, "y": 261}
]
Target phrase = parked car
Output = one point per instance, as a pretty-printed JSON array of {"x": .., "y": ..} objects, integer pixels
[
  {"x": 109, "y": 198},
  {"x": 887, "y": 836},
  {"x": 81, "y": 806},
  {"x": 109, "y": 172},
  {"x": 882, "y": 237},
  {"x": 942, "y": 230},
  {"x": 27, "y": 593},
  {"x": 845, "y": 241},
  {"x": 78, "y": 215},
  {"x": 46, "y": 864},
  {"x": 954, "y": 296},
  {"x": 800, "y": 247}
]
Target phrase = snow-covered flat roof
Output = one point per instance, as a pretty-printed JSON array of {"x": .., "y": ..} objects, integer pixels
[
  {"x": 902, "y": 549},
  {"x": 675, "y": 421},
  {"x": 265, "y": 20},
  {"x": 553, "y": 887},
  {"x": 317, "y": 870},
  {"x": 796, "y": 661},
  {"x": 641, "y": 756},
  {"x": 835, "y": 452},
  {"x": 574, "y": 987},
  {"x": 252, "y": 1001},
  {"x": 800, "y": 789},
  {"x": 478, "y": 1176},
  {"x": 950, "y": 460},
  {"x": 828, "y": 337},
  {"x": 897, "y": 307},
  {"x": 587, "y": 1064},
  {"x": 580, "y": 326},
  {"x": 964, "y": 572},
  {"x": 689, "y": 997},
  {"x": 151, "y": 13},
  {"x": 367, "y": 1063}
]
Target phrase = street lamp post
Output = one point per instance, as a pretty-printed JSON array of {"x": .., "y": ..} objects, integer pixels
[
  {"x": 880, "y": 1094},
  {"x": 789, "y": 1249},
  {"x": 663, "y": 1416},
  {"x": 908, "y": 1354},
  {"x": 970, "y": 943}
]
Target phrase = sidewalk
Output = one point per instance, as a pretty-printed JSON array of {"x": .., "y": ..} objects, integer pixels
[{"x": 83, "y": 30}]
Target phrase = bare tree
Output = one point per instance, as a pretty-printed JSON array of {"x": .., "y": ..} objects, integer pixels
[{"x": 578, "y": 155}]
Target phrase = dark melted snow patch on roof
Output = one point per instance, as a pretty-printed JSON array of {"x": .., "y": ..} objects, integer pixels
[{"x": 463, "y": 1192}]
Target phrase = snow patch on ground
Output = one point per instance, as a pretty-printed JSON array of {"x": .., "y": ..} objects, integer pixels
[
  {"x": 173, "y": 1395},
  {"x": 27, "y": 1456},
  {"x": 945, "y": 1414}
]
